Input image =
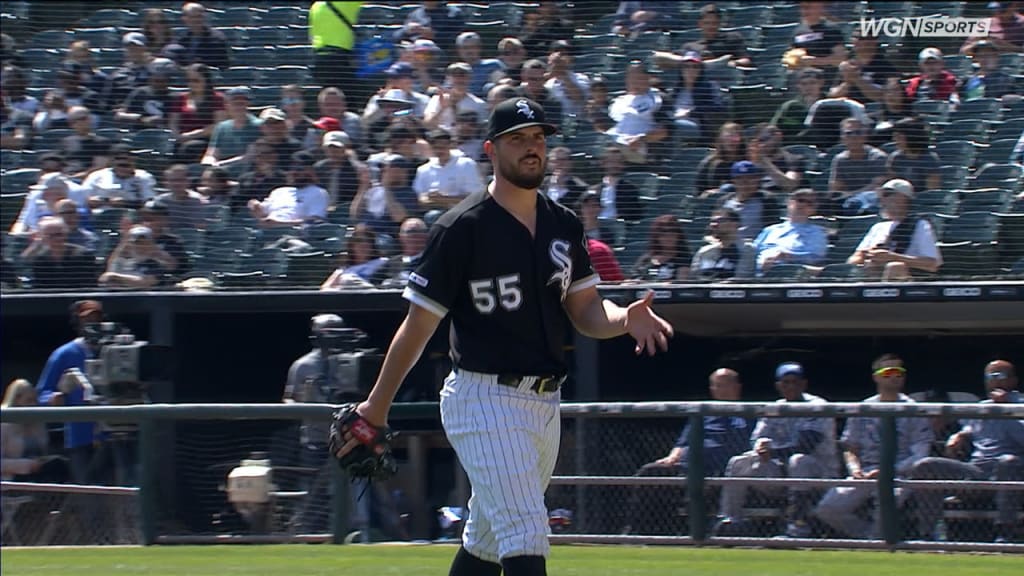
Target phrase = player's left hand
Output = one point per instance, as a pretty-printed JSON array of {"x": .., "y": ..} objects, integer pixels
[{"x": 648, "y": 329}]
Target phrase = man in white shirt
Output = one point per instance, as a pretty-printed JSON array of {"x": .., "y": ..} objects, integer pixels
[
  {"x": 121, "y": 185},
  {"x": 452, "y": 98},
  {"x": 297, "y": 204},
  {"x": 41, "y": 201},
  {"x": 564, "y": 84},
  {"x": 897, "y": 245},
  {"x": 446, "y": 178},
  {"x": 795, "y": 241},
  {"x": 637, "y": 115}
]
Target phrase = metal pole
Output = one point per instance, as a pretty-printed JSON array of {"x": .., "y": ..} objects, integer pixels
[
  {"x": 886, "y": 474},
  {"x": 581, "y": 470},
  {"x": 148, "y": 450},
  {"x": 695, "y": 478},
  {"x": 341, "y": 499}
]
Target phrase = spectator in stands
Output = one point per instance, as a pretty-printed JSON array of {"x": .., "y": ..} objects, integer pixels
[
  {"x": 595, "y": 111},
  {"x": 715, "y": 169},
  {"x": 423, "y": 55},
  {"x": 640, "y": 115},
  {"x": 795, "y": 241},
  {"x": 9, "y": 55},
  {"x": 562, "y": 185},
  {"x": 266, "y": 175},
  {"x": 93, "y": 80},
  {"x": 202, "y": 43},
  {"x": 997, "y": 453},
  {"x": 360, "y": 266},
  {"x": 301, "y": 202},
  {"x": 55, "y": 263},
  {"x": 149, "y": 106},
  {"x": 726, "y": 255},
  {"x": 912, "y": 160},
  {"x": 697, "y": 107},
  {"x": 136, "y": 262},
  {"x": 547, "y": 24},
  {"x": 453, "y": 98},
  {"x": 866, "y": 73},
  {"x": 668, "y": 257},
  {"x": 800, "y": 447},
  {"x": 856, "y": 172},
  {"x": 195, "y": 113},
  {"x": 24, "y": 446},
  {"x": 756, "y": 209},
  {"x": 40, "y": 202},
  {"x": 412, "y": 237},
  {"x": 174, "y": 260},
  {"x": 122, "y": 185},
  {"x": 85, "y": 151},
  {"x": 635, "y": 18},
  {"x": 817, "y": 42},
  {"x": 791, "y": 115},
  {"x": 532, "y": 85},
  {"x": 216, "y": 185},
  {"x": 714, "y": 43},
  {"x": 340, "y": 172},
  {"x": 601, "y": 255},
  {"x": 783, "y": 171},
  {"x": 186, "y": 207},
  {"x": 934, "y": 82},
  {"x": 822, "y": 124},
  {"x": 896, "y": 247},
  {"x": 300, "y": 125},
  {"x": 619, "y": 198},
  {"x": 133, "y": 74},
  {"x": 53, "y": 114},
  {"x": 1005, "y": 32},
  {"x": 988, "y": 81},
  {"x": 862, "y": 441},
  {"x": 384, "y": 206},
  {"x": 17, "y": 109},
  {"x": 482, "y": 71},
  {"x": 445, "y": 179},
  {"x": 512, "y": 54},
  {"x": 469, "y": 138},
  {"x": 563, "y": 83},
  {"x": 156, "y": 29},
  {"x": 67, "y": 210},
  {"x": 274, "y": 129},
  {"x": 724, "y": 437},
  {"x": 402, "y": 139},
  {"x": 232, "y": 137},
  {"x": 438, "y": 21},
  {"x": 333, "y": 103}
]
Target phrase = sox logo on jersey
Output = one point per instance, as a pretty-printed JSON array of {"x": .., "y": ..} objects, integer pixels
[
  {"x": 523, "y": 107},
  {"x": 562, "y": 276}
]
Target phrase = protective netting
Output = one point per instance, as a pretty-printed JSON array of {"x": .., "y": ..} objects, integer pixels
[
  {"x": 80, "y": 517},
  {"x": 659, "y": 105}
]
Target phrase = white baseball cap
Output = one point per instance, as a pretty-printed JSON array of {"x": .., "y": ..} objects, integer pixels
[
  {"x": 900, "y": 186},
  {"x": 336, "y": 138},
  {"x": 273, "y": 114},
  {"x": 929, "y": 53}
]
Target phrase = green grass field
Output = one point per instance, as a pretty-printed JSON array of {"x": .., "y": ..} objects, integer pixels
[{"x": 413, "y": 560}]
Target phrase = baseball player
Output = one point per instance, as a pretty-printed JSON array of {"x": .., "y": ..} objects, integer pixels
[
  {"x": 862, "y": 440},
  {"x": 511, "y": 268}
]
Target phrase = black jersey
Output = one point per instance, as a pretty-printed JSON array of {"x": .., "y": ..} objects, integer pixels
[{"x": 504, "y": 289}]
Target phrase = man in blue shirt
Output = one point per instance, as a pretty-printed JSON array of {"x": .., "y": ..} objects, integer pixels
[
  {"x": 724, "y": 437},
  {"x": 795, "y": 241},
  {"x": 996, "y": 448},
  {"x": 57, "y": 390}
]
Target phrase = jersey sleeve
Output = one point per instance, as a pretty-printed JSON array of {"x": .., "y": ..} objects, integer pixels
[
  {"x": 435, "y": 283},
  {"x": 583, "y": 275}
]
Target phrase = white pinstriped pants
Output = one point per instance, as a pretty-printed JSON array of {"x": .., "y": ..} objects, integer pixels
[{"x": 507, "y": 441}]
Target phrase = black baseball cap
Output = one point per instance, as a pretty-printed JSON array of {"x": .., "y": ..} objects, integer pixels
[{"x": 515, "y": 114}]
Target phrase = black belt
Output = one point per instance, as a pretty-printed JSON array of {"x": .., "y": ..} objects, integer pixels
[{"x": 542, "y": 384}]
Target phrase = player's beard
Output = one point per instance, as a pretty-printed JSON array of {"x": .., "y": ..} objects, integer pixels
[{"x": 526, "y": 178}]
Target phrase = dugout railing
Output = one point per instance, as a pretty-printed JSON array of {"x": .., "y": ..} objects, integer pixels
[{"x": 589, "y": 482}]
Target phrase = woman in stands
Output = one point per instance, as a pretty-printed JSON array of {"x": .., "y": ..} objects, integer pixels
[
  {"x": 156, "y": 29},
  {"x": 668, "y": 255},
  {"x": 24, "y": 447},
  {"x": 912, "y": 160},
  {"x": 696, "y": 106},
  {"x": 195, "y": 112},
  {"x": 360, "y": 266},
  {"x": 715, "y": 169}
]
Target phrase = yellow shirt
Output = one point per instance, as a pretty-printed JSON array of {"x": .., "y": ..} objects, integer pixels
[{"x": 326, "y": 30}]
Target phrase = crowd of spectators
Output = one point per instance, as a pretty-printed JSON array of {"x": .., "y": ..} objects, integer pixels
[{"x": 171, "y": 166}]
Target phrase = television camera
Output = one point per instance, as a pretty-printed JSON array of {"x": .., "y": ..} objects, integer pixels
[{"x": 254, "y": 494}]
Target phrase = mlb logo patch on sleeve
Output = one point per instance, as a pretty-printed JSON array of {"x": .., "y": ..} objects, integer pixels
[{"x": 418, "y": 280}]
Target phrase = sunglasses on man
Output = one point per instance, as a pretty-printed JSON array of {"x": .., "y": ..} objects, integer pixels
[{"x": 891, "y": 372}]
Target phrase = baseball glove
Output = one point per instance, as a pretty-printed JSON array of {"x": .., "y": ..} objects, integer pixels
[{"x": 371, "y": 458}]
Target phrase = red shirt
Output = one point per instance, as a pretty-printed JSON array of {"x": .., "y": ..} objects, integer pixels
[
  {"x": 942, "y": 88},
  {"x": 603, "y": 259},
  {"x": 193, "y": 118}
]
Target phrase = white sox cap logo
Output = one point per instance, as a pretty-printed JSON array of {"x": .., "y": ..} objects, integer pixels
[
  {"x": 562, "y": 276},
  {"x": 523, "y": 107}
]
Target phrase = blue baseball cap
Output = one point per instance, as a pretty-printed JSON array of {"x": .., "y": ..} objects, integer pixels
[
  {"x": 401, "y": 69},
  {"x": 745, "y": 168},
  {"x": 789, "y": 368}
]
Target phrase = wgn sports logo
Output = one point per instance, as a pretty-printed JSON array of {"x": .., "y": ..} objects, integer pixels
[
  {"x": 562, "y": 276},
  {"x": 933, "y": 27}
]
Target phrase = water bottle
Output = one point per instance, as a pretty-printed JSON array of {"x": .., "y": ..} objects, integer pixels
[{"x": 941, "y": 531}]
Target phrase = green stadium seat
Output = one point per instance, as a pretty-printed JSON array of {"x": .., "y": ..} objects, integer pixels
[
  {"x": 990, "y": 200},
  {"x": 665, "y": 204},
  {"x": 979, "y": 227},
  {"x": 997, "y": 152},
  {"x": 17, "y": 181},
  {"x": 308, "y": 270},
  {"x": 293, "y": 56},
  {"x": 109, "y": 219},
  {"x": 646, "y": 182},
  {"x": 266, "y": 36},
  {"x": 289, "y": 16},
  {"x": 953, "y": 177},
  {"x": 786, "y": 273},
  {"x": 851, "y": 231},
  {"x": 778, "y": 34},
  {"x": 970, "y": 129},
  {"x": 10, "y": 207},
  {"x": 115, "y": 17},
  {"x": 156, "y": 141},
  {"x": 932, "y": 110},
  {"x": 785, "y": 14},
  {"x": 680, "y": 183},
  {"x": 107, "y": 37},
  {"x": 747, "y": 16},
  {"x": 979, "y": 108},
  {"x": 997, "y": 176},
  {"x": 239, "y": 76},
  {"x": 1011, "y": 128},
  {"x": 613, "y": 229},
  {"x": 51, "y": 139},
  {"x": 956, "y": 152},
  {"x": 284, "y": 75},
  {"x": 935, "y": 202},
  {"x": 49, "y": 40},
  {"x": 1010, "y": 238}
]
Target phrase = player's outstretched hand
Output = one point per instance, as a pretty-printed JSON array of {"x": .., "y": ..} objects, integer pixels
[{"x": 650, "y": 331}]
